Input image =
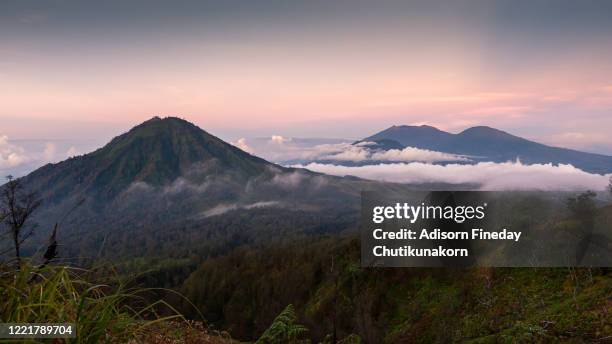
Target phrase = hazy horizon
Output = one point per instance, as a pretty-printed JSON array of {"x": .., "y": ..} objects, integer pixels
[
  {"x": 76, "y": 70},
  {"x": 411, "y": 165}
]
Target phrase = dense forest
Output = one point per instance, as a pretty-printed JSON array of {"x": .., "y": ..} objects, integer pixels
[{"x": 244, "y": 289}]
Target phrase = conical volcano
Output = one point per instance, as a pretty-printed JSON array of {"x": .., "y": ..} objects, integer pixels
[{"x": 156, "y": 152}]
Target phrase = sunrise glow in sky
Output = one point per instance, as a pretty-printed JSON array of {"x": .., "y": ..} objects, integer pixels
[{"x": 82, "y": 69}]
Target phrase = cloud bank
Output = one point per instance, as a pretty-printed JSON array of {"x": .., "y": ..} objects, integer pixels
[
  {"x": 282, "y": 149},
  {"x": 10, "y": 155},
  {"x": 362, "y": 152},
  {"x": 23, "y": 156},
  {"x": 415, "y": 154},
  {"x": 491, "y": 176}
]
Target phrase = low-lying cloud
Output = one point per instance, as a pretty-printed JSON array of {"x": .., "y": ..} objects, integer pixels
[
  {"x": 491, "y": 176},
  {"x": 278, "y": 139},
  {"x": 23, "y": 156},
  {"x": 362, "y": 152},
  {"x": 288, "y": 180},
  {"x": 282, "y": 149},
  {"x": 415, "y": 154},
  {"x": 10, "y": 155},
  {"x": 242, "y": 144},
  {"x": 224, "y": 208}
]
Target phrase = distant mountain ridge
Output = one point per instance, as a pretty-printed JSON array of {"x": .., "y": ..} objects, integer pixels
[{"x": 484, "y": 143}]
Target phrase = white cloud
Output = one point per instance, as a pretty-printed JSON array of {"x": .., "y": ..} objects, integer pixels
[
  {"x": 26, "y": 156},
  {"x": 282, "y": 149},
  {"x": 224, "y": 208},
  {"x": 278, "y": 139},
  {"x": 365, "y": 143},
  {"x": 242, "y": 144},
  {"x": 11, "y": 155},
  {"x": 491, "y": 176},
  {"x": 323, "y": 150},
  {"x": 261, "y": 205},
  {"x": 349, "y": 153},
  {"x": 49, "y": 152},
  {"x": 288, "y": 180},
  {"x": 138, "y": 187},
  {"x": 219, "y": 209},
  {"x": 181, "y": 185},
  {"x": 415, "y": 154},
  {"x": 72, "y": 151},
  {"x": 360, "y": 153}
]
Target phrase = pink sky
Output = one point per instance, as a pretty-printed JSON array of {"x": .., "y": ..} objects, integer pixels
[{"x": 327, "y": 75}]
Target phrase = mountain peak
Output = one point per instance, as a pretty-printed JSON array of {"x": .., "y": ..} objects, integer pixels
[
  {"x": 483, "y": 129},
  {"x": 425, "y": 126},
  {"x": 413, "y": 127},
  {"x": 413, "y": 136},
  {"x": 165, "y": 123},
  {"x": 156, "y": 152}
]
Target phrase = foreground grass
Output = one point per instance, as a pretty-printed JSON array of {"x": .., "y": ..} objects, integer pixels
[{"x": 104, "y": 308}]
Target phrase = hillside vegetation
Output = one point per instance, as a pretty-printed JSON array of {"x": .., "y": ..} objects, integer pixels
[{"x": 245, "y": 290}]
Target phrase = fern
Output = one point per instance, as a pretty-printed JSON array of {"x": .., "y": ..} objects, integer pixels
[{"x": 284, "y": 329}]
